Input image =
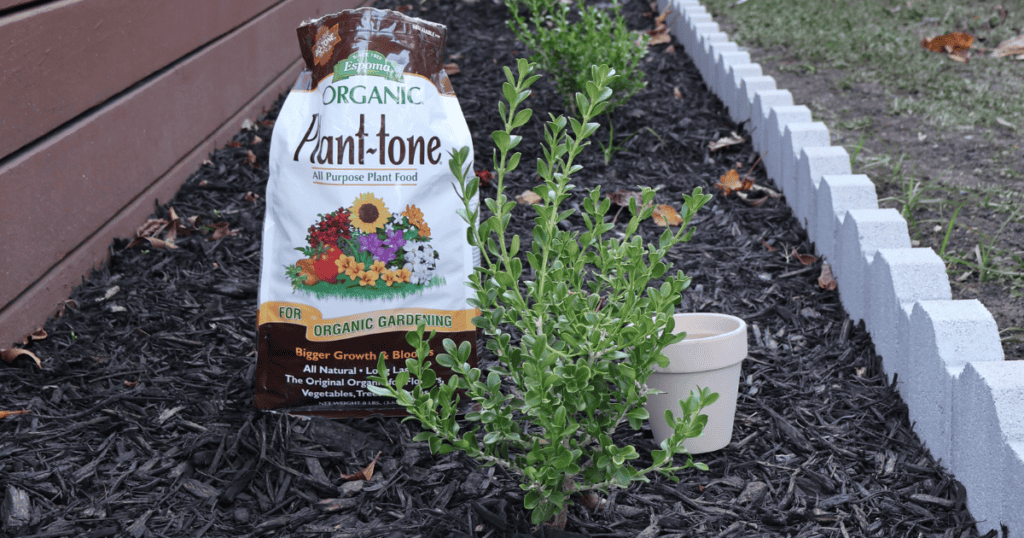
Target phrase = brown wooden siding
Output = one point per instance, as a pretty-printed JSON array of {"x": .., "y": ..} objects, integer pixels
[
  {"x": 59, "y": 62},
  {"x": 7, "y": 4},
  {"x": 69, "y": 191}
]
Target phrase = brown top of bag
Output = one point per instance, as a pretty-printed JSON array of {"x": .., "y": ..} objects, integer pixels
[{"x": 415, "y": 45}]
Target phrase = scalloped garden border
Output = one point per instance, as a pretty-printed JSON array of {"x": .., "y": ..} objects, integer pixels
[{"x": 966, "y": 400}]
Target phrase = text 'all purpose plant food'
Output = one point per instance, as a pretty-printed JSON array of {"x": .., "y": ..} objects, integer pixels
[{"x": 361, "y": 242}]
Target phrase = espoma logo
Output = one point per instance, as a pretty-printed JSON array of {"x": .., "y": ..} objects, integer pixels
[{"x": 367, "y": 62}]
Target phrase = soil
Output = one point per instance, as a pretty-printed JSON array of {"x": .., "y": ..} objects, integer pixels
[
  {"x": 944, "y": 161},
  {"x": 140, "y": 420}
]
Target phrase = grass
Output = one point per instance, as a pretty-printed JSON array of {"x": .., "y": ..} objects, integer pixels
[
  {"x": 880, "y": 42},
  {"x": 932, "y": 211},
  {"x": 380, "y": 291},
  {"x": 874, "y": 47}
]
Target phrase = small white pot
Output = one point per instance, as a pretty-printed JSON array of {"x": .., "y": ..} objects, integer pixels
[{"x": 710, "y": 356}]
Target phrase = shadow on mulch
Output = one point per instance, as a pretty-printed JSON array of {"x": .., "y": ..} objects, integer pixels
[{"x": 142, "y": 423}]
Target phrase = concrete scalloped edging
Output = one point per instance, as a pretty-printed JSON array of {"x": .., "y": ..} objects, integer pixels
[{"x": 966, "y": 401}]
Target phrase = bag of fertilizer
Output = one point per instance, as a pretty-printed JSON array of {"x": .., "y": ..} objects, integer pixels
[{"x": 361, "y": 241}]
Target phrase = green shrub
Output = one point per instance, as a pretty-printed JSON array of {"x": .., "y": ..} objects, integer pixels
[
  {"x": 588, "y": 328},
  {"x": 566, "y": 42}
]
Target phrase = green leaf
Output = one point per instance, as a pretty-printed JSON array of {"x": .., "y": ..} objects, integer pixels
[
  {"x": 502, "y": 140},
  {"x": 513, "y": 161},
  {"x": 558, "y": 419},
  {"x": 639, "y": 413},
  {"x": 508, "y": 91},
  {"x": 531, "y": 500},
  {"x": 379, "y": 391},
  {"x": 492, "y": 438},
  {"x": 522, "y": 117},
  {"x": 428, "y": 377}
]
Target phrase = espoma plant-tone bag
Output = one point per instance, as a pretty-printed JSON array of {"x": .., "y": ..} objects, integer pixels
[{"x": 361, "y": 241}]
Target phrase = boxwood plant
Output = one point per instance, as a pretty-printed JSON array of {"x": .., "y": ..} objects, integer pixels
[
  {"x": 566, "y": 42},
  {"x": 576, "y": 335}
]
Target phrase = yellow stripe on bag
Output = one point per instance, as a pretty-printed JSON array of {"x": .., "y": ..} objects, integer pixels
[{"x": 398, "y": 319}]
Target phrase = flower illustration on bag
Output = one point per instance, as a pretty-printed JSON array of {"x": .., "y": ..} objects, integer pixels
[
  {"x": 415, "y": 217},
  {"x": 368, "y": 213},
  {"x": 365, "y": 251}
]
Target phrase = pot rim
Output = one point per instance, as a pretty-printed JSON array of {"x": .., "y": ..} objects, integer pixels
[
  {"x": 741, "y": 325},
  {"x": 722, "y": 350}
]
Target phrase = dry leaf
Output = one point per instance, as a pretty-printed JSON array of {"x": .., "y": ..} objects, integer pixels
[
  {"x": 804, "y": 259},
  {"x": 826, "y": 280},
  {"x": 591, "y": 500},
  {"x": 767, "y": 246},
  {"x": 621, "y": 197},
  {"x": 38, "y": 334},
  {"x": 5, "y": 414},
  {"x": 528, "y": 198},
  {"x": 9, "y": 355},
  {"x": 671, "y": 49},
  {"x": 1010, "y": 47},
  {"x": 251, "y": 197},
  {"x": 158, "y": 244},
  {"x": 485, "y": 177},
  {"x": 112, "y": 291},
  {"x": 152, "y": 228},
  {"x": 731, "y": 182},
  {"x": 256, "y": 140},
  {"x": 403, "y": 8},
  {"x": 755, "y": 198},
  {"x": 949, "y": 43},
  {"x": 62, "y": 309},
  {"x": 178, "y": 226},
  {"x": 250, "y": 157},
  {"x": 365, "y": 474},
  {"x": 221, "y": 230},
  {"x": 660, "y": 39},
  {"x": 753, "y": 202},
  {"x": 666, "y": 215},
  {"x": 451, "y": 69},
  {"x": 962, "y": 56},
  {"x": 726, "y": 141},
  {"x": 659, "y": 35},
  {"x": 131, "y": 384}
]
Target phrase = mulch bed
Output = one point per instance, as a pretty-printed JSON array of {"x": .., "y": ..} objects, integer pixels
[{"x": 141, "y": 420}]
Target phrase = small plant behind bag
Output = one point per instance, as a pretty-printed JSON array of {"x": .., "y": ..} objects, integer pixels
[
  {"x": 566, "y": 48},
  {"x": 549, "y": 408}
]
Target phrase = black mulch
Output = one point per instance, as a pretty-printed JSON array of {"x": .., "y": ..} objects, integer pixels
[{"x": 142, "y": 423}]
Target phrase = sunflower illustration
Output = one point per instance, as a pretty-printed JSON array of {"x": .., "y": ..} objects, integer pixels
[
  {"x": 369, "y": 213},
  {"x": 415, "y": 217}
]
